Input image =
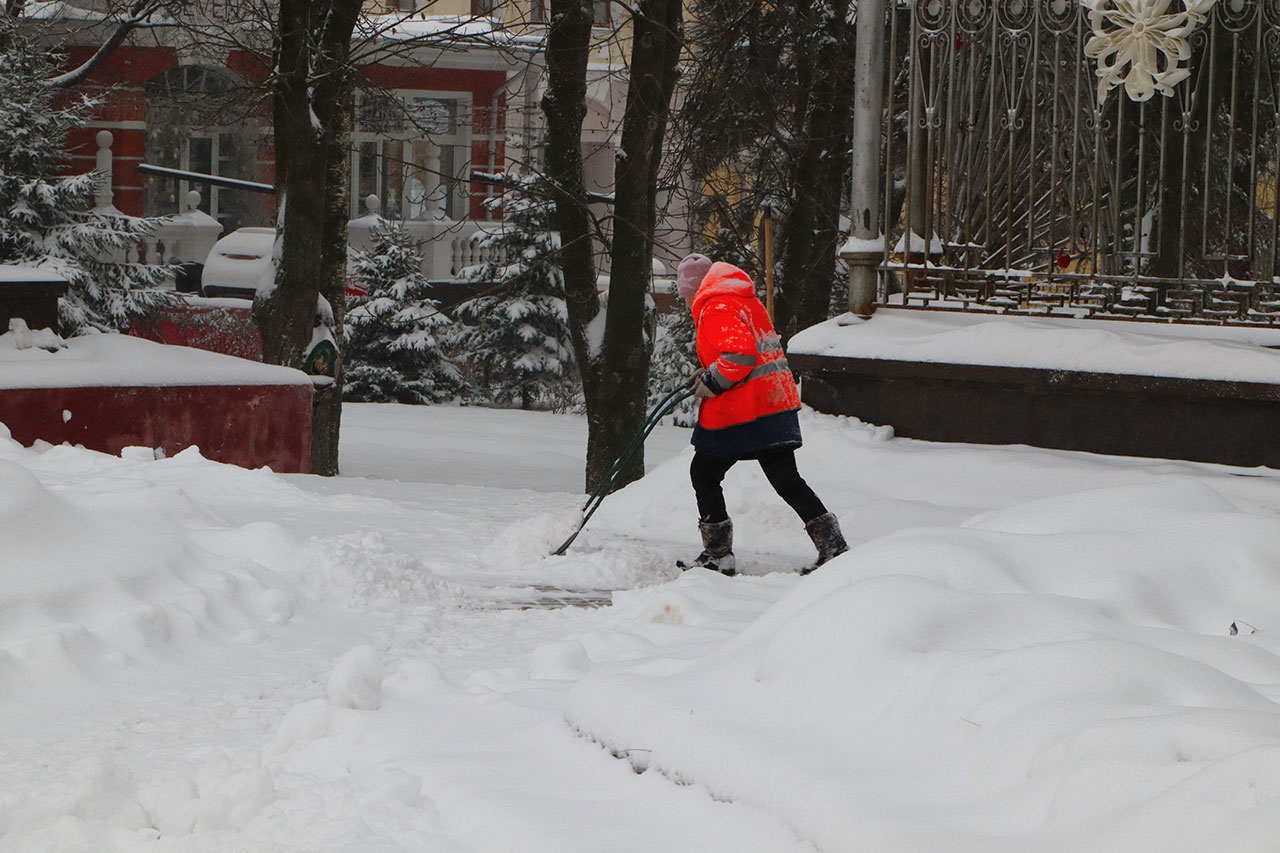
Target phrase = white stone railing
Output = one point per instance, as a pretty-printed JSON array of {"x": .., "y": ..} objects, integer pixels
[
  {"x": 186, "y": 237},
  {"x": 449, "y": 246},
  {"x": 471, "y": 251}
]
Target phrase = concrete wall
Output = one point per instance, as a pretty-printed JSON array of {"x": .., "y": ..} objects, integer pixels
[{"x": 1234, "y": 423}]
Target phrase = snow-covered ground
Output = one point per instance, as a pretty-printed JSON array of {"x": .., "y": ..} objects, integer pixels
[{"x": 1026, "y": 650}]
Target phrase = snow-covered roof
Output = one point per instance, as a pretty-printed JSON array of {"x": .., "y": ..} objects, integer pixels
[
  {"x": 465, "y": 29},
  {"x": 122, "y": 361},
  {"x": 17, "y": 272},
  {"x": 422, "y": 25}
]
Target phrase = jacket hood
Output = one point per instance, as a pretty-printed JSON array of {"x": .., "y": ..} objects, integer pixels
[{"x": 723, "y": 280}]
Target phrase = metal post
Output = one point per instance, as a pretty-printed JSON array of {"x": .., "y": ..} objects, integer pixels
[
  {"x": 868, "y": 106},
  {"x": 766, "y": 222}
]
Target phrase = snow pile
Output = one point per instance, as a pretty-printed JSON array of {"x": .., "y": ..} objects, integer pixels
[
  {"x": 120, "y": 360},
  {"x": 98, "y": 580},
  {"x": 1025, "y": 650},
  {"x": 363, "y": 569},
  {"x": 356, "y": 680},
  {"x": 1058, "y": 675},
  {"x": 102, "y": 805},
  {"x": 523, "y": 549},
  {"x": 1100, "y": 346},
  {"x": 122, "y": 585}
]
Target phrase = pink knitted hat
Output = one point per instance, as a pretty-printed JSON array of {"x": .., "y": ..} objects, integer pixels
[{"x": 690, "y": 273}]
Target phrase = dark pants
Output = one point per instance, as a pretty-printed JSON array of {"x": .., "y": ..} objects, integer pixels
[{"x": 779, "y": 466}]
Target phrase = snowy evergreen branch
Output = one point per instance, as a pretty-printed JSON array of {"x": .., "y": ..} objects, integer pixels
[
  {"x": 45, "y": 219},
  {"x": 516, "y": 344},
  {"x": 398, "y": 341}
]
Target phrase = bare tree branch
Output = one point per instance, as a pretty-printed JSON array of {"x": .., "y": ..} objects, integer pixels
[{"x": 138, "y": 15}]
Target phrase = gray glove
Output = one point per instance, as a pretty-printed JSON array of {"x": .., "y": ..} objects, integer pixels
[{"x": 701, "y": 389}]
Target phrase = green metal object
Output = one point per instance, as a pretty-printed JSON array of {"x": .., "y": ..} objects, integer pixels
[
  {"x": 322, "y": 360},
  {"x": 664, "y": 406}
]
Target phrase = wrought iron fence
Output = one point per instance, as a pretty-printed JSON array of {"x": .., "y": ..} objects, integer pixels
[{"x": 1104, "y": 157}]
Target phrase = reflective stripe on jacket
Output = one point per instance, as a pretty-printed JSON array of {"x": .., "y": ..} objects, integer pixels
[{"x": 742, "y": 354}]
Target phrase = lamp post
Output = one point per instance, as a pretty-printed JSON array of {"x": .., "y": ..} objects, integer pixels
[{"x": 868, "y": 106}]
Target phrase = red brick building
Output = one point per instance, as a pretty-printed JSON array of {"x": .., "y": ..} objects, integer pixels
[{"x": 423, "y": 121}]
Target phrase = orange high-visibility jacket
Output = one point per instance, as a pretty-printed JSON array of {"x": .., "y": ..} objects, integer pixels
[{"x": 741, "y": 352}]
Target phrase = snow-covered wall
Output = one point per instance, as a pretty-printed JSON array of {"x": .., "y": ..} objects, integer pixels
[
  {"x": 109, "y": 392},
  {"x": 1131, "y": 389}
]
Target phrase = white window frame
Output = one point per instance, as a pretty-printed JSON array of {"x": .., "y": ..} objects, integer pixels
[
  {"x": 212, "y": 191},
  {"x": 460, "y": 138}
]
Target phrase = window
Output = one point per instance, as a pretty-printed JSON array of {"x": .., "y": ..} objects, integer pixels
[
  {"x": 482, "y": 7},
  {"x": 195, "y": 124},
  {"x": 412, "y": 150},
  {"x": 601, "y": 16}
]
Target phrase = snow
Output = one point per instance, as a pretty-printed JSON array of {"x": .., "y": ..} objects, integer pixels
[
  {"x": 863, "y": 245},
  {"x": 440, "y": 30},
  {"x": 1024, "y": 650},
  {"x": 95, "y": 361},
  {"x": 20, "y": 273},
  {"x": 918, "y": 243},
  {"x": 1135, "y": 348},
  {"x": 356, "y": 680}
]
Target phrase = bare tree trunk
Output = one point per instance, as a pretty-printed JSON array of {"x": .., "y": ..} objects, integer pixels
[
  {"x": 811, "y": 235},
  {"x": 656, "y": 38},
  {"x": 565, "y": 106},
  {"x": 312, "y": 100},
  {"x": 615, "y": 369}
]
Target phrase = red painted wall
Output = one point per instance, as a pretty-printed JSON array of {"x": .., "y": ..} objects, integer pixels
[
  {"x": 230, "y": 331},
  {"x": 251, "y": 426},
  {"x": 121, "y": 84}
]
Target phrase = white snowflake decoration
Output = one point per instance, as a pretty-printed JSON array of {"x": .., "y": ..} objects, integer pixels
[{"x": 1141, "y": 44}]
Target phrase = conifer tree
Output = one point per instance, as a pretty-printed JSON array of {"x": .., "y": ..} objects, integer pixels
[
  {"x": 674, "y": 360},
  {"x": 46, "y": 220},
  {"x": 765, "y": 120},
  {"x": 517, "y": 339},
  {"x": 397, "y": 337}
]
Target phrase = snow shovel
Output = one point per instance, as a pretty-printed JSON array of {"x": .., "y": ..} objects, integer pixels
[{"x": 665, "y": 405}]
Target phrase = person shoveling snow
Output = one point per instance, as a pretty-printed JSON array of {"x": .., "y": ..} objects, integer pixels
[{"x": 748, "y": 410}]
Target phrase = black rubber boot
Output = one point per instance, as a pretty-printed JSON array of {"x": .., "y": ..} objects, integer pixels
[
  {"x": 717, "y": 548},
  {"x": 827, "y": 538}
]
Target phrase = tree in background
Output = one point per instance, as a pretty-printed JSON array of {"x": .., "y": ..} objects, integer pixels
[
  {"x": 307, "y": 57},
  {"x": 765, "y": 121},
  {"x": 47, "y": 220},
  {"x": 313, "y": 95},
  {"x": 398, "y": 339},
  {"x": 516, "y": 343},
  {"x": 674, "y": 359},
  {"x": 609, "y": 338},
  {"x": 119, "y": 17}
]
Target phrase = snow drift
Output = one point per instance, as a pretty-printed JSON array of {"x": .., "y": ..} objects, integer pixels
[{"x": 1057, "y": 675}]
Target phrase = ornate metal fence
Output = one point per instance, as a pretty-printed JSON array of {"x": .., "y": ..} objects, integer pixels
[{"x": 1083, "y": 157}]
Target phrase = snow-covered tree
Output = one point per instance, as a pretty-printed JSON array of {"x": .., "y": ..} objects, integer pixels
[
  {"x": 46, "y": 220},
  {"x": 517, "y": 337},
  {"x": 674, "y": 360},
  {"x": 764, "y": 121},
  {"x": 397, "y": 337}
]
